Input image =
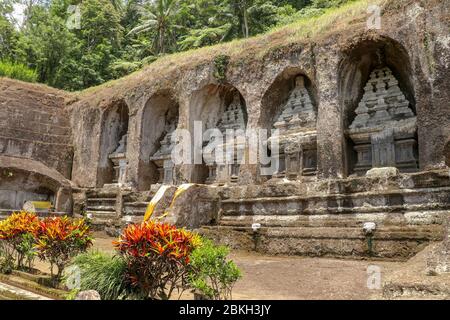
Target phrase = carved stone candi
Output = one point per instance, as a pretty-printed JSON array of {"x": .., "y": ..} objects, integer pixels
[
  {"x": 297, "y": 135},
  {"x": 384, "y": 129},
  {"x": 163, "y": 158},
  {"x": 231, "y": 121},
  {"x": 119, "y": 160}
]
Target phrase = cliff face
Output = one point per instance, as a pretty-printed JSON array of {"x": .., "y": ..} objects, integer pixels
[
  {"x": 35, "y": 125},
  {"x": 336, "y": 57},
  {"x": 35, "y": 146}
]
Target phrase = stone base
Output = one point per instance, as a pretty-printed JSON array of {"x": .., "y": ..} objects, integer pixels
[
  {"x": 439, "y": 258},
  {"x": 397, "y": 244}
]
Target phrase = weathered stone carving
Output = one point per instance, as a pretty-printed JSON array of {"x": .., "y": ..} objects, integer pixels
[
  {"x": 162, "y": 158},
  {"x": 119, "y": 160},
  {"x": 384, "y": 128},
  {"x": 232, "y": 120},
  {"x": 297, "y": 152}
]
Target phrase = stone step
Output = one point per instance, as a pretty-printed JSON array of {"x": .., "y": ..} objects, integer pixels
[
  {"x": 9, "y": 292},
  {"x": 101, "y": 208},
  {"x": 102, "y": 214},
  {"x": 287, "y": 209},
  {"x": 137, "y": 204},
  {"x": 135, "y": 208},
  {"x": 392, "y": 243},
  {"x": 367, "y": 202},
  {"x": 89, "y": 199},
  {"x": 335, "y": 220}
]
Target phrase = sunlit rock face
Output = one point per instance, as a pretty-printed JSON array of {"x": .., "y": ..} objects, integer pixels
[
  {"x": 384, "y": 129},
  {"x": 297, "y": 135}
]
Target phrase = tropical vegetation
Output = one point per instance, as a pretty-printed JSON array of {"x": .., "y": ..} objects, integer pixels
[{"x": 74, "y": 44}]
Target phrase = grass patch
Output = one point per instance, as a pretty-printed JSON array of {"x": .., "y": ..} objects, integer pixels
[
  {"x": 17, "y": 71},
  {"x": 103, "y": 273}
]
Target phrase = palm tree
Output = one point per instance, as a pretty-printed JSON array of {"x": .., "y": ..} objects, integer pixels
[
  {"x": 158, "y": 17},
  {"x": 242, "y": 7}
]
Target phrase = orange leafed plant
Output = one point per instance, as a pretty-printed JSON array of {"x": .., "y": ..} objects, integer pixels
[
  {"x": 60, "y": 239},
  {"x": 157, "y": 255},
  {"x": 17, "y": 237},
  {"x": 17, "y": 224}
]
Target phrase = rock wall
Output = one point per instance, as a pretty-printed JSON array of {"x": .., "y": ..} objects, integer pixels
[
  {"x": 35, "y": 146},
  {"x": 34, "y": 125},
  {"x": 413, "y": 39}
]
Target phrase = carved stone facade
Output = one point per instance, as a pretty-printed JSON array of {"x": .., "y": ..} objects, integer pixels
[
  {"x": 162, "y": 157},
  {"x": 119, "y": 160},
  {"x": 232, "y": 127},
  {"x": 297, "y": 135},
  {"x": 384, "y": 129}
]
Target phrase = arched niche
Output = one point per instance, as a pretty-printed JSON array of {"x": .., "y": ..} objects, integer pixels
[
  {"x": 23, "y": 180},
  {"x": 290, "y": 107},
  {"x": 159, "y": 120},
  {"x": 113, "y": 144},
  {"x": 378, "y": 69},
  {"x": 219, "y": 107}
]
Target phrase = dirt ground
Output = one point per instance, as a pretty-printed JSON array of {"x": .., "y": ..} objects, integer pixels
[
  {"x": 292, "y": 278},
  {"x": 301, "y": 278}
]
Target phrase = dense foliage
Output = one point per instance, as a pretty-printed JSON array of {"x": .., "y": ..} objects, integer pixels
[
  {"x": 212, "y": 275},
  {"x": 112, "y": 38},
  {"x": 17, "y": 71}
]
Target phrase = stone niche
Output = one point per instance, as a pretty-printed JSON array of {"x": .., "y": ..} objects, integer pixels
[
  {"x": 233, "y": 119},
  {"x": 18, "y": 187},
  {"x": 384, "y": 129},
  {"x": 217, "y": 108},
  {"x": 378, "y": 103},
  {"x": 162, "y": 158},
  {"x": 156, "y": 124},
  {"x": 296, "y": 134},
  {"x": 113, "y": 145}
]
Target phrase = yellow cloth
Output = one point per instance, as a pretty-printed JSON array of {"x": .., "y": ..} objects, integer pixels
[{"x": 42, "y": 204}]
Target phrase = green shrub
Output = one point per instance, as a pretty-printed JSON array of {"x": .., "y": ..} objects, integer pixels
[
  {"x": 6, "y": 264},
  {"x": 212, "y": 274},
  {"x": 17, "y": 71},
  {"x": 103, "y": 273}
]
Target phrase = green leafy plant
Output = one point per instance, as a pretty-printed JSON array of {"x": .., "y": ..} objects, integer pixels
[
  {"x": 6, "y": 264},
  {"x": 221, "y": 64},
  {"x": 212, "y": 274},
  {"x": 103, "y": 273}
]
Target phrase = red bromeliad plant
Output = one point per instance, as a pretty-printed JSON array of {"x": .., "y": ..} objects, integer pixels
[
  {"x": 60, "y": 239},
  {"x": 17, "y": 237},
  {"x": 158, "y": 257}
]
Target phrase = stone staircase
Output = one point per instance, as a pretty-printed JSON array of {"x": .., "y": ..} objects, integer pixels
[
  {"x": 113, "y": 206},
  {"x": 330, "y": 223},
  {"x": 101, "y": 204}
]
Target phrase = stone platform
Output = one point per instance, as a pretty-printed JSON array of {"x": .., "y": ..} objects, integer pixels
[{"x": 326, "y": 218}]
